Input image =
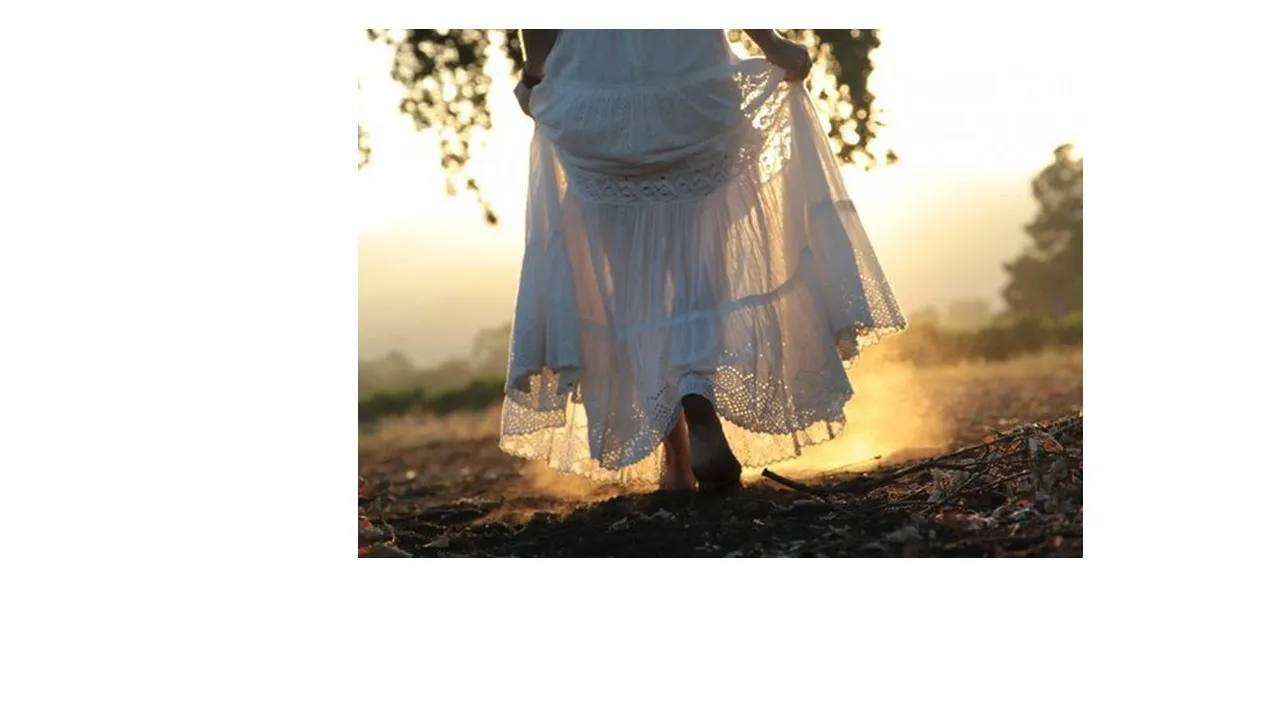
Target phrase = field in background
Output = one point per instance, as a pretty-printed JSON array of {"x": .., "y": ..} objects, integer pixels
[
  {"x": 929, "y": 402},
  {"x": 392, "y": 386}
]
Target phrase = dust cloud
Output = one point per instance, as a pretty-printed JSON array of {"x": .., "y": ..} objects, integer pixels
[{"x": 891, "y": 418}]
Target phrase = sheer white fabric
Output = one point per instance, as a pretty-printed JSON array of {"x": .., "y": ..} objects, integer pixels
[{"x": 688, "y": 232}]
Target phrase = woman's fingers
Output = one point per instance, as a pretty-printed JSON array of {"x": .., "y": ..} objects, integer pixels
[
  {"x": 801, "y": 72},
  {"x": 794, "y": 60},
  {"x": 523, "y": 95}
]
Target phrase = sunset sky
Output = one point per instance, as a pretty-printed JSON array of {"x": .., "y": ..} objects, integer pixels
[{"x": 973, "y": 123}]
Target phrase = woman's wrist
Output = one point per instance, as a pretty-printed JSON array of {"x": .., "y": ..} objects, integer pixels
[{"x": 531, "y": 76}]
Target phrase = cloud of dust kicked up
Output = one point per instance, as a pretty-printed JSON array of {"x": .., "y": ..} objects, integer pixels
[{"x": 891, "y": 417}]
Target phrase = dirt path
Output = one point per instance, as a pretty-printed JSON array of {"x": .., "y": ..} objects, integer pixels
[{"x": 1017, "y": 491}]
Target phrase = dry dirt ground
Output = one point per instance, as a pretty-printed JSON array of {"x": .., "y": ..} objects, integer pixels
[{"x": 967, "y": 460}]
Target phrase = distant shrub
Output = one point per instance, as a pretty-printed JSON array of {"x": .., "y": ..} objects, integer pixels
[
  {"x": 393, "y": 403},
  {"x": 478, "y": 395}
]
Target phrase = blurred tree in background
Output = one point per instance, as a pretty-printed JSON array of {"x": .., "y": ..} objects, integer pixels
[
  {"x": 489, "y": 351},
  {"x": 969, "y": 314},
  {"x": 929, "y": 316},
  {"x": 447, "y": 90},
  {"x": 1048, "y": 279},
  {"x": 392, "y": 371},
  {"x": 395, "y": 372}
]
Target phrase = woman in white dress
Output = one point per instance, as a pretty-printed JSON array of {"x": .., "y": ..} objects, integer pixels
[{"x": 696, "y": 281}]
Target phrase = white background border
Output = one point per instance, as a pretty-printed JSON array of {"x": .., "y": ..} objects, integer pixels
[{"x": 179, "y": 261}]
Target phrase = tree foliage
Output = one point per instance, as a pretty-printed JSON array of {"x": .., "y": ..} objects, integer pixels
[
  {"x": 1048, "y": 278},
  {"x": 447, "y": 90},
  {"x": 362, "y": 143}
]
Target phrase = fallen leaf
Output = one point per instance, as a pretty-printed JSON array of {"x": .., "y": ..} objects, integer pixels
[{"x": 1049, "y": 444}]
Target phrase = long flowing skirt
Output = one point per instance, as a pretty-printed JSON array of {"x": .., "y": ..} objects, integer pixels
[{"x": 688, "y": 232}]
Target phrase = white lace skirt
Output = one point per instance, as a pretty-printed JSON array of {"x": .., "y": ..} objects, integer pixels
[{"x": 688, "y": 233}]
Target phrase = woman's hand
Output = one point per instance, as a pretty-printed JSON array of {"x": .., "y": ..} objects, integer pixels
[
  {"x": 524, "y": 90},
  {"x": 536, "y": 45},
  {"x": 523, "y": 94},
  {"x": 791, "y": 57},
  {"x": 783, "y": 53}
]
